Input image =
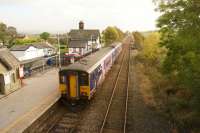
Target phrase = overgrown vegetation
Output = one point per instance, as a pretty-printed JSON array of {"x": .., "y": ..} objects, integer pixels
[
  {"x": 112, "y": 34},
  {"x": 139, "y": 40},
  {"x": 180, "y": 33},
  {"x": 164, "y": 90},
  {"x": 152, "y": 53},
  {"x": 171, "y": 59}
]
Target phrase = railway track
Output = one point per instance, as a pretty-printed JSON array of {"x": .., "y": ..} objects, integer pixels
[
  {"x": 115, "y": 119},
  {"x": 67, "y": 124},
  {"x": 62, "y": 120},
  {"x": 68, "y": 121}
]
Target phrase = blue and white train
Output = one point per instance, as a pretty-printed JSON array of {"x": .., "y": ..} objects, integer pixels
[{"x": 81, "y": 79}]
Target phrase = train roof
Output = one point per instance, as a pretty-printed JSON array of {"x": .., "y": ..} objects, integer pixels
[{"x": 86, "y": 63}]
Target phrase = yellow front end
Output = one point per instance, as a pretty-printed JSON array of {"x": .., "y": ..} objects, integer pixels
[
  {"x": 85, "y": 91},
  {"x": 73, "y": 85},
  {"x": 63, "y": 88}
]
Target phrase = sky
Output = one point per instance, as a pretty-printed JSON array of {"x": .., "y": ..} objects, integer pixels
[{"x": 59, "y": 16}]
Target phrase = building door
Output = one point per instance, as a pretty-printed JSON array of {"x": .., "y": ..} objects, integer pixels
[
  {"x": 73, "y": 82},
  {"x": 2, "y": 84}
]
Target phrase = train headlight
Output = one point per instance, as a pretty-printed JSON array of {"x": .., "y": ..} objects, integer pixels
[{"x": 83, "y": 93}]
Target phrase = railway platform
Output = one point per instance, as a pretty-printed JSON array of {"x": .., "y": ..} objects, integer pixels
[{"x": 21, "y": 108}]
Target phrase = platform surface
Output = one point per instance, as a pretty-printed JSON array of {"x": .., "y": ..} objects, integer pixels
[{"x": 21, "y": 108}]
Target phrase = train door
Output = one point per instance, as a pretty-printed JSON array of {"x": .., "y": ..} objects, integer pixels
[
  {"x": 73, "y": 85},
  {"x": 1, "y": 83}
]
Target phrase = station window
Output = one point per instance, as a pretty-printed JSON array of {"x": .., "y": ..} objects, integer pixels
[
  {"x": 17, "y": 73},
  {"x": 13, "y": 77}
]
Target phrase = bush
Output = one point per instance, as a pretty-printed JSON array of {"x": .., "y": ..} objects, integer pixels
[
  {"x": 26, "y": 41},
  {"x": 172, "y": 97}
]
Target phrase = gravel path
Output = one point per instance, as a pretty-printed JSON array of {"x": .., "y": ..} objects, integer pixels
[{"x": 141, "y": 117}]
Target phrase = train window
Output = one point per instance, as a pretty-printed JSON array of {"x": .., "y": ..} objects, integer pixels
[
  {"x": 62, "y": 79},
  {"x": 83, "y": 79},
  {"x": 99, "y": 70}
]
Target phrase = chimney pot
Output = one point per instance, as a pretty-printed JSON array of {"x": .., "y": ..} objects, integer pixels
[{"x": 81, "y": 25}]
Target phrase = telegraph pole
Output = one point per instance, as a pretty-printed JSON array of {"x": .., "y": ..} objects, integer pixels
[{"x": 59, "y": 60}]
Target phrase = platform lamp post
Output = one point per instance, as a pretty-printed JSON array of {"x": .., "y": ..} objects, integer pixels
[{"x": 59, "y": 60}]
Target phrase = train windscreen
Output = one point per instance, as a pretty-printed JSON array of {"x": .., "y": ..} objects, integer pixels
[{"x": 83, "y": 79}]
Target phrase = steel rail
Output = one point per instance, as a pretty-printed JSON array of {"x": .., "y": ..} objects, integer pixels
[
  {"x": 113, "y": 92},
  {"x": 127, "y": 93}
]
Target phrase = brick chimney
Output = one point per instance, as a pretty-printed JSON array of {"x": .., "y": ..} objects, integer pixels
[{"x": 81, "y": 25}]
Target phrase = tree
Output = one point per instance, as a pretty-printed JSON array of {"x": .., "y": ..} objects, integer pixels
[
  {"x": 64, "y": 39},
  {"x": 12, "y": 31},
  {"x": 180, "y": 30},
  {"x": 12, "y": 34},
  {"x": 151, "y": 49},
  {"x": 110, "y": 35},
  {"x": 7, "y": 34},
  {"x": 139, "y": 39},
  {"x": 3, "y": 33},
  {"x": 44, "y": 35},
  {"x": 180, "y": 33},
  {"x": 120, "y": 33}
]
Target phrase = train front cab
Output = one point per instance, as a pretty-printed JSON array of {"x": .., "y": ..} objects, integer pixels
[{"x": 74, "y": 85}]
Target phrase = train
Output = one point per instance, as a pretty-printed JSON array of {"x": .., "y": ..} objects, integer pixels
[{"x": 79, "y": 81}]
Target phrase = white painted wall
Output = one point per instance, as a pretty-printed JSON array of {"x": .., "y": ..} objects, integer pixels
[
  {"x": 70, "y": 50},
  {"x": 30, "y": 53},
  {"x": 80, "y": 51},
  {"x": 97, "y": 43},
  {"x": 33, "y": 52},
  {"x": 48, "y": 51},
  {"x": 40, "y": 53},
  {"x": 45, "y": 50},
  {"x": 87, "y": 49}
]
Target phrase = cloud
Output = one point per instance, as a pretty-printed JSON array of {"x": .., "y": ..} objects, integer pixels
[
  {"x": 62, "y": 15},
  {"x": 14, "y": 2}
]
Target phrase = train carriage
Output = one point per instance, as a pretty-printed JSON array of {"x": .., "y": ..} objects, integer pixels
[{"x": 80, "y": 80}]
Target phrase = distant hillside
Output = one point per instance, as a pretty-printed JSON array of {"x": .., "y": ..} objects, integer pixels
[{"x": 147, "y": 33}]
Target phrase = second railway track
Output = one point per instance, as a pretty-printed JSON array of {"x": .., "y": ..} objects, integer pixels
[{"x": 116, "y": 113}]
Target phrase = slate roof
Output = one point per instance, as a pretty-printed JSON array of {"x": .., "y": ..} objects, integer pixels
[
  {"x": 31, "y": 60},
  {"x": 77, "y": 44},
  {"x": 19, "y": 47},
  {"x": 42, "y": 45},
  {"x": 8, "y": 59},
  {"x": 26, "y": 46},
  {"x": 84, "y": 34}
]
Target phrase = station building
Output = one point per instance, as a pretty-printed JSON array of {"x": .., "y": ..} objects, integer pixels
[
  {"x": 33, "y": 56},
  {"x": 32, "y": 50},
  {"x": 9, "y": 72},
  {"x": 83, "y": 41}
]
